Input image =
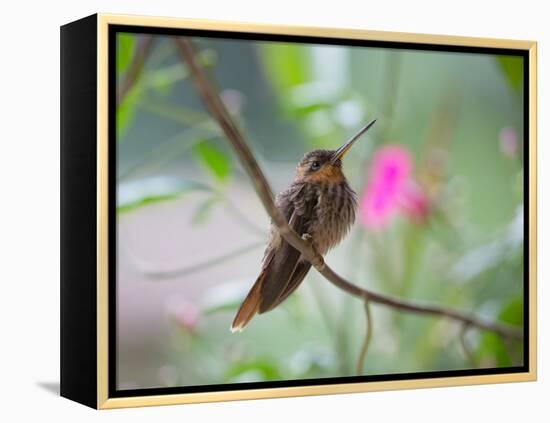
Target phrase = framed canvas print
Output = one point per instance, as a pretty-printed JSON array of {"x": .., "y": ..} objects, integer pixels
[{"x": 254, "y": 211}]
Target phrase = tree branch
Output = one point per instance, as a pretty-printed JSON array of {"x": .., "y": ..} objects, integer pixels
[
  {"x": 135, "y": 67},
  {"x": 218, "y": 110}
]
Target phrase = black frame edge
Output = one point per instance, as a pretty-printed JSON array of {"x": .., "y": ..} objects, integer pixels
[{"x": 79, "y": 211}]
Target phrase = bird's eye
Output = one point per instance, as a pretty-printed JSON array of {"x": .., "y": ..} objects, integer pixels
[{"x": 315, "y": 165}]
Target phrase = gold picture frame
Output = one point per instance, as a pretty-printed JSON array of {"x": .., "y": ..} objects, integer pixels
[{"x": 98, "y": 28}]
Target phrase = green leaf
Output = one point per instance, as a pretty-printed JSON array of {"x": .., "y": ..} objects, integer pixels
[
  {"x": 492, "y": 345},
  {"x": 286, "y": 64},
  {"x": 125, "y": 51},
  {"x": 145, "y": 201},
  {"x": 203, "y": 210},
  {"x": 136, "y": 194},
  {"x": 213, "y": 159},
  {"x": 512, "y": 313},
  {"x": 161, "y": 80},
  {"x": 512, "y": 68},
  {"x": 302, "y": 110},
  {"x": 126, "y": 110},
  {"x": 262, "y": 368}
]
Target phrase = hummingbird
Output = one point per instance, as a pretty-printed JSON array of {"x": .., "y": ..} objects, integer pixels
[{"x": 320, "y": 206}]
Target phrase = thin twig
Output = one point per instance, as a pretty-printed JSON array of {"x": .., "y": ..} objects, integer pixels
[
  {"x": 160, "y": 274},
  {"x": 168, "y": 149},
  {"x": 240, "y": 216},
  {"x": 466, "y": 348},
  {"x": 218, "y": 110},
  {"x": 135, "y": 67},
  {"x": 366, "y": 342}
]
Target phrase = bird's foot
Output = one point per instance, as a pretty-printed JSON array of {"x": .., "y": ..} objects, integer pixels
[{"x": 317, "y": 260}]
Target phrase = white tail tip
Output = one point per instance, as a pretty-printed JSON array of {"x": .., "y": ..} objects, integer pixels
[{"x": 236, "y": 329}]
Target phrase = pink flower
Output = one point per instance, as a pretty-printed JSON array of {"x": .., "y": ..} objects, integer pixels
[
  {"x": 391, "y": 189},
  {"x": 509, "y": 142},
  {"x": 414, "y": 202},
  {"x": 185, "y": 314}
]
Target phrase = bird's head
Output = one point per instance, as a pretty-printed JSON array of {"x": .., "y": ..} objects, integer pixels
[{"x": 325, "y": 166}]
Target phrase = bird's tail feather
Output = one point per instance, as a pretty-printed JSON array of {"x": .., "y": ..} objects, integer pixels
[{"x": 249, "y": 307}]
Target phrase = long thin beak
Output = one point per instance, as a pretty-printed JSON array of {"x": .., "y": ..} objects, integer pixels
[{"x": 338, "y": 154}]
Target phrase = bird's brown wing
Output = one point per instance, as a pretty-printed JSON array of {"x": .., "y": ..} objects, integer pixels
[
  {"x": 297, "y": 277},
  {"x": 282, "y": 269},
  {"x": 285, "y": 270},
  {"x": 275, "y": 282}
]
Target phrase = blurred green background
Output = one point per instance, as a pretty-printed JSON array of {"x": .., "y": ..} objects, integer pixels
[{"x": 191, "y": 231}]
